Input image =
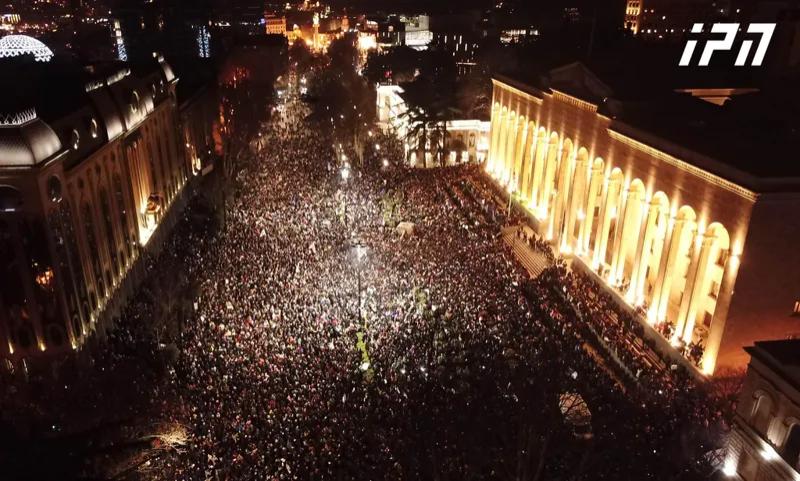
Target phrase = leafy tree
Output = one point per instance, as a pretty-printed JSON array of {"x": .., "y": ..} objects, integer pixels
[
  {"x": 341, "y": 98},
  {"x": 431, "y": 102}
]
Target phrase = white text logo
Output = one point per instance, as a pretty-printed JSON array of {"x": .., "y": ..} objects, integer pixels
[{"x": 764, "y": 30}]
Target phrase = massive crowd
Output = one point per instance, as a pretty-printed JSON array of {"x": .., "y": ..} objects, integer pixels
[
  {"x": 322, "y": 343},
  {"x": 325, "y": 345}
]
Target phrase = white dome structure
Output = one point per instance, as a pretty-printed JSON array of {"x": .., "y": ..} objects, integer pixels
[
  {"x": 16, "y": 45},
  {"x": 25, "y": 140}
]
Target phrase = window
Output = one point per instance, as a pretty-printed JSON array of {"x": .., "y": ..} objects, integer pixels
[
  {"x": 761, "y": 416},
  {"x": 791, "y": 448},
  {"x": 796, "y": 310},
  {"x": 135, "y": 102},
  {"x": 75, "y": 139},
  {"x": 714, "y": 289},
  {"x": 93, "y": 129}
]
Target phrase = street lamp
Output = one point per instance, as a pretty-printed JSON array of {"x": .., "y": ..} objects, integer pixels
[
  {"x": 345, "y": 175},
  {"x": 359, "y": 252}
]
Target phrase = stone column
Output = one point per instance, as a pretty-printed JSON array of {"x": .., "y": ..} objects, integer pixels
[
  {"x": 538, "y": 169},
  {"x": 575, "y": 203},
  {"x": 619, "y": 245},
  {"x": 505, "y": 134},
  {"x": 644, "y": 250},
  {"x": 697, "y": 272},
  {"x": 511, "y": 151},
  {"x": 527, "y": 163},
  {"x": 607, "y": 214},
  {"x": 595, "y": 184},
  {"x": 553, "y": 153},
  {"x": 714, "y": 339},
  {"x": 562, "y": 195},
  {"x": 519, "y": 154},
  {"x": 666, "y": 270}
]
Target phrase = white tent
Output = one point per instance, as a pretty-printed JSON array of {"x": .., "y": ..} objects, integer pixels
[{"x": 405, "y": 228}]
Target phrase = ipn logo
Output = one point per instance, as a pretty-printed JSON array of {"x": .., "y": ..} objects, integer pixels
[{"x": 763, "y": 30}]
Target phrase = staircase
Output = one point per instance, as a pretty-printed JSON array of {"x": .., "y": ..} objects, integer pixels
[{"x": 534, "y": 261}]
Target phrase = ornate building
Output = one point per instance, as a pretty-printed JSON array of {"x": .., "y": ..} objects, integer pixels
[
  {"x": 92, "y": 166},
  {"x": 764, "y": 443},
  {"x": 275, "y": 25},
  {"x": 685, "y": 210}
]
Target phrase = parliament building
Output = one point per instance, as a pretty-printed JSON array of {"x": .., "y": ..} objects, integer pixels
[
  {"x": 687, "y": 211},
  {"x": 94, "y": 161}
]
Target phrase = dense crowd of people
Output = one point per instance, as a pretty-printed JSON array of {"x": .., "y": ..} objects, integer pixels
[
  {"x": 325, "y": 345},
  {"x": 322, "y": 342}
]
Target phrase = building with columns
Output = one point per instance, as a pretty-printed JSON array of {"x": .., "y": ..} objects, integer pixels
[
  {"x": 686, "y": 211},
  {"x": 94, "y": 161},
  {"x": 764, "y": 443}
]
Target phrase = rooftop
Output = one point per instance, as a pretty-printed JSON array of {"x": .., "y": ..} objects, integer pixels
[
  {"x": 748, "y": 140},
  {"x": 59, "y": 103},
  {"x": 782, "y": 355}
]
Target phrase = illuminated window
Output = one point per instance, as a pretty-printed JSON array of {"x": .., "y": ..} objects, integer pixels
[
  {"x": 135, "y": 102},
  {"x": 75, "y": 139},
  {"x": 796, "y": 310},
  {"x": 93, "y": 129}
]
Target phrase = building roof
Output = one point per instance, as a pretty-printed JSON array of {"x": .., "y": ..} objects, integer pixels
[
  {"x": 49, "y": 106},
  {"x": 782, "y": 355},
  {"x": 25, "y": 140},
  {"x": 748, "y": 140},
  {"x": 17, "y": 45}
]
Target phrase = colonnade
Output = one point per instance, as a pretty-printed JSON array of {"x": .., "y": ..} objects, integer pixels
[{"x": 660, "y": 257}]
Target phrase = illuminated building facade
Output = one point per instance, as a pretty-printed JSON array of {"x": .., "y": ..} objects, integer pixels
[
  {"x": 275, "y": 25},
  {"x": 91, "y": 171},
  {"x": 764, "y": 443},
  {"x": 671, "y": 19},
  {"x": 466, "y": 140},
  {"x": 670, "y": 204},
  {"x": 633, "y": 13}
]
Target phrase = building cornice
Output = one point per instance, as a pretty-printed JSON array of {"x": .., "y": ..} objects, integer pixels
[
  {"x": 574, "y": 101},
  {"x": 616, "y": 133},
  {"x": 509, "y": 85}
]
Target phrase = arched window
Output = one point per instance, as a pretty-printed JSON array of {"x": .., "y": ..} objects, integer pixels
[
  {"x": 93, "y": 128},
  {"x": 791, "y": 448},
  {"x": 75, "y": 139},
  {"x": 135, "y": 101},
  {"x": 761, "y": 416}
]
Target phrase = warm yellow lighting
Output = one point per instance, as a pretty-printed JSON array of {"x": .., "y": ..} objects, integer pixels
[
  {"x": 42, "y": 347},
  {"x": 581, "y": 215},
  {"x": 729, "y": 469},
  {"x": 367, "y": 42},
  {"x": 541, "y": 213},
  {"x": 145, "y": 233},
  {"x": 45, "y": 279},
  {"x": 734, "y": 261},
  {"x": 769, "y": 454}
]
